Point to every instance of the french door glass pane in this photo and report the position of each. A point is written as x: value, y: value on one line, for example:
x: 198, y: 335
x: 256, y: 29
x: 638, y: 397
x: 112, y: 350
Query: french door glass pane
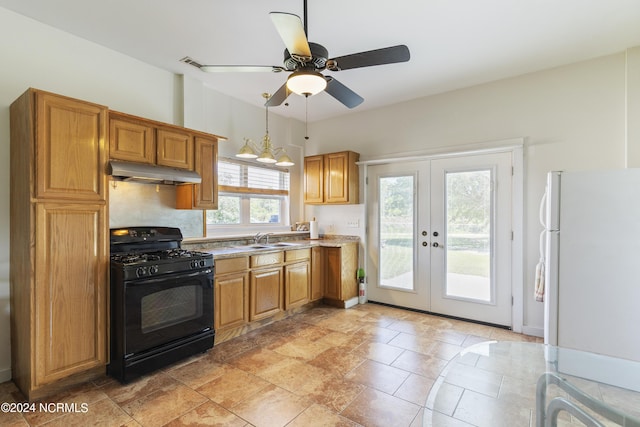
x: 396, y: 231
x: 468, y: 247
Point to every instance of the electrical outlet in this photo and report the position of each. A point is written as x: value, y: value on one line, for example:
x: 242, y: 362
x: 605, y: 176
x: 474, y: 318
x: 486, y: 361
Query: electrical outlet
x: 353, y: 223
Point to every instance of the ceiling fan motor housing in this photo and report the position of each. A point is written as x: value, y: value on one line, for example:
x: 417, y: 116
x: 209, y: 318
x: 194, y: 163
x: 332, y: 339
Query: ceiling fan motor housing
x: 319, y: 58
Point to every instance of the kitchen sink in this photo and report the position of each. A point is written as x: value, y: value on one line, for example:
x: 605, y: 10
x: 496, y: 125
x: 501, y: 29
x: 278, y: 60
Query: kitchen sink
x: 267, y: 246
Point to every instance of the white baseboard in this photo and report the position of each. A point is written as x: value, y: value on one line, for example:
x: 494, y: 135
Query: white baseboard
x: 5, y: 375
x: 351, y: 302
x: 533, y: 331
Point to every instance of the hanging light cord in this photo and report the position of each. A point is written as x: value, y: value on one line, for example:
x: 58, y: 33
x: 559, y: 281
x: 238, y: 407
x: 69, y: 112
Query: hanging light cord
x: 266, y: 109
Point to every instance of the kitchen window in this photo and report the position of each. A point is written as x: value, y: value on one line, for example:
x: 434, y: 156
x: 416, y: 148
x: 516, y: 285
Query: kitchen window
x: 251, y: 197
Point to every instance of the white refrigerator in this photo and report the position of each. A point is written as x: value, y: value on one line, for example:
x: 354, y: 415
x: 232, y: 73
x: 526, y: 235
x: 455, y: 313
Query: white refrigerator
x: 592, y: 262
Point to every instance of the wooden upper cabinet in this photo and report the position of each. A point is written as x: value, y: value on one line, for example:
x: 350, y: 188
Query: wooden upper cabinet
x: 331, y: 178
x: 70, y: 145
x: 174, y: 148
x: 205, y: 194
x: 131, y: 140
x: 314, y: 179
x: 341, y: 177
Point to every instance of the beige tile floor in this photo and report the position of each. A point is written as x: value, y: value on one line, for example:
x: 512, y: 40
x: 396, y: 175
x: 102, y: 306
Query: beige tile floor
x: 370, y: 365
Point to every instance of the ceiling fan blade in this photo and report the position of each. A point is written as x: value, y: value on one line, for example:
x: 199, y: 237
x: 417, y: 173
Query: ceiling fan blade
x: 240, y: 69
x: 278, y: 97
x: 387, y: 55
x: 291, y: 31
x: 232, y: 68
x: 342, y: 93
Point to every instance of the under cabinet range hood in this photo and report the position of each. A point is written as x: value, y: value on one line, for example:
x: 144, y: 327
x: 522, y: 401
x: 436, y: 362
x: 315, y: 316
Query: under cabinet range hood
x: 152, y: 174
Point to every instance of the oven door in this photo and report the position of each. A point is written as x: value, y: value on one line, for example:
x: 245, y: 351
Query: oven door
x: 162, y: 309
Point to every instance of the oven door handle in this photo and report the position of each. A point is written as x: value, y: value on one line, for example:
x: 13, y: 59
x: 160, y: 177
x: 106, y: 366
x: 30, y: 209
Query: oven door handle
x: 159, y: 279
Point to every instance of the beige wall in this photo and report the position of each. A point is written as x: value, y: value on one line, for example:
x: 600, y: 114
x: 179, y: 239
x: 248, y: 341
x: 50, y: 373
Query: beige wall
x: 572, y: 118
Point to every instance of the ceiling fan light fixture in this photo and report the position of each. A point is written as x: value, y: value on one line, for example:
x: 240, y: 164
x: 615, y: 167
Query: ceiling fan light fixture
x: 306, y: 82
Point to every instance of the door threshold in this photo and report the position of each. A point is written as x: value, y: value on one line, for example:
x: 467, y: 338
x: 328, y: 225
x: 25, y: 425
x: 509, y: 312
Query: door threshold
x: 416, y: 310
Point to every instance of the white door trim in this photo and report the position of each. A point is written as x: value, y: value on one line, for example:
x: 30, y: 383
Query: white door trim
x: 516, y: 147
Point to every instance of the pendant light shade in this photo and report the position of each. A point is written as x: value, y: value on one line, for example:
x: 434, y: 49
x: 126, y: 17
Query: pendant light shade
x: 284, y: 160
x: 246, y: 152
x: 306, y: 82
x: 267, y: 150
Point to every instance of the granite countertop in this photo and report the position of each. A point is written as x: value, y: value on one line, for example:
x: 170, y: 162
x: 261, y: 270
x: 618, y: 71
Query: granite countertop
x: 221, y: 250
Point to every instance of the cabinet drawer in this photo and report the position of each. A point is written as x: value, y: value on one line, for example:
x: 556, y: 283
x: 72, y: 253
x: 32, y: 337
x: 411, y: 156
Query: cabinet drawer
x: 231, y: 265
x: 297, y: 254
x: 266, y: 259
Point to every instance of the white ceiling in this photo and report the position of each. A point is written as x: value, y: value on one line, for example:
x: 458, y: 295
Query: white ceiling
x: 453, y: 43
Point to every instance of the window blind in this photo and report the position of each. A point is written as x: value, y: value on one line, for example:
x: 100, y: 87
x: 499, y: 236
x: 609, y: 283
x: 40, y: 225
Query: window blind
x: 240, y: 177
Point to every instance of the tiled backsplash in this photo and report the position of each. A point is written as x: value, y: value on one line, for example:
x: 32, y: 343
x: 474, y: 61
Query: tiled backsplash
x: 136, y: 204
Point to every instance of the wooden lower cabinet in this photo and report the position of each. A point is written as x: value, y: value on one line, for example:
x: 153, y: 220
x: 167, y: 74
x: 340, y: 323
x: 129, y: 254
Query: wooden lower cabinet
x: 296, y: 279
x: 266, y: 292
x: 231, y: 286
x: 70, y: 291
x: 341, y: 264
x: 318, y: 267
x: 257, y: 287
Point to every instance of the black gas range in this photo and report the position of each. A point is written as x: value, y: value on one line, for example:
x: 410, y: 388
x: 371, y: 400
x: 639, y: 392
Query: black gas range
x: 161, y: 300
x: 145, y: 264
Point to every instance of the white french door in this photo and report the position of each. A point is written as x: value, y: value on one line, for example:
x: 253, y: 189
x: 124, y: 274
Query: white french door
x: 440, y: 236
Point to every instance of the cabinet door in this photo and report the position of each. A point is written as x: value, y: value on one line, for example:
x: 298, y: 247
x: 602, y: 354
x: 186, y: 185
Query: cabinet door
x: 296, y: 284
x: 205, y: 194
x: 349, y: 266
x: 231, y: 300
x: 70, y: 145
x: 333, y: 277
x: 70, y: 303
x: 266, y: 292
x: 132, y: 141
x: 174, y: 149
x: 317, y: 273
x: 314, y: 179
x: 336, y: 175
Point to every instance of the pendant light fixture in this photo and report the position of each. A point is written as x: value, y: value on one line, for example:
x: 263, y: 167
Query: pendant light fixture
x: 267, y: 152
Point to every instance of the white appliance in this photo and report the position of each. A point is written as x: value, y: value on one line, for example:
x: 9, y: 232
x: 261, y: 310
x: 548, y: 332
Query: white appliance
x: 592, y: 262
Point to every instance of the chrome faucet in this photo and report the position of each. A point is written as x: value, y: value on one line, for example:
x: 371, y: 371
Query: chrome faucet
x: 260, y: 236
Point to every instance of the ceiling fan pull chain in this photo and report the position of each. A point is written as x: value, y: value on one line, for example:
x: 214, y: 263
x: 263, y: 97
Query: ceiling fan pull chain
x: 306, y: 116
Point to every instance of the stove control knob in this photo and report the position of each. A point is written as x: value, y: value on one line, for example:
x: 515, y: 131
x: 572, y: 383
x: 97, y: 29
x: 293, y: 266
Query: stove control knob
x: 202, y: 263
x: 153, y: 269
x: 141, y: 271
x: 194, y: 263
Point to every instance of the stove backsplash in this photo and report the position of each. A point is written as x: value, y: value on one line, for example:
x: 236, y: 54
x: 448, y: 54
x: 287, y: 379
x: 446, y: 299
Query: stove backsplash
x: 136, y: 204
